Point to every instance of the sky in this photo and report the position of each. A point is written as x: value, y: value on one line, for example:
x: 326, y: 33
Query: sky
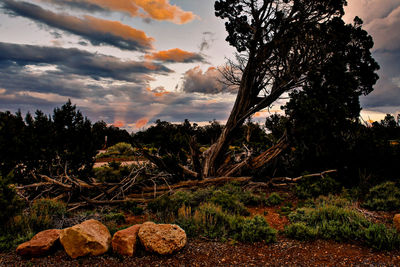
x: 131, y: 62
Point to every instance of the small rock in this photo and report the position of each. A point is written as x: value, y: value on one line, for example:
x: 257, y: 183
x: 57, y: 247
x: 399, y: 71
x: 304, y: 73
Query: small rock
x: 396, y: 222
x: 163, y: 239
x: 124, y: 241
x: 90, y: 237
x: 40, y: 244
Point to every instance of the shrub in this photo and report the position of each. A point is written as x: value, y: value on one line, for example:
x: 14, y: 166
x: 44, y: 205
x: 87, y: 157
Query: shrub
x: 10, y: 203
x: 316, y: 186
x: 122, y: 149
x: 385, y: 197
x: 230, y: 197
x: 229, y: 202
x: 330, y: 219
x: 273, y: 199
x: 132, y: 207
x: 301, y: 231
x: 45, y: 214
x: 212, y: 221
x: 116, y: 217
x: 113, y: 173
x: 42, y: 215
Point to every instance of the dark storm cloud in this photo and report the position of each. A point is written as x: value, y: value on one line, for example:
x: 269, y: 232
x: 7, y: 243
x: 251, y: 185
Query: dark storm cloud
x: 382, y: 22
x: 208, y: 82
x: 97, y: 31
x: 79, y: 5
x: 75, y: 61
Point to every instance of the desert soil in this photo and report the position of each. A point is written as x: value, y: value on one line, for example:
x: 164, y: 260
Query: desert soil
x: 285, y: 252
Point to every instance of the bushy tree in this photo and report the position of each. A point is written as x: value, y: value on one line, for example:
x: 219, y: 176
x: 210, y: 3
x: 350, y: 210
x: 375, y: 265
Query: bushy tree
x: 285, y: 45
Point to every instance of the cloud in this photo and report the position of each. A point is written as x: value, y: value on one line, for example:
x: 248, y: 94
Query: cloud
x: 175, y: 55
x: 207, y: 41
x: 97, y: 31
x: 160, y: 10
x: 79, y: 62
x: 369, y: 10
x: 383, y: 30
x: 382, y: 21
x: 141, y: 123
x: 208, y: 82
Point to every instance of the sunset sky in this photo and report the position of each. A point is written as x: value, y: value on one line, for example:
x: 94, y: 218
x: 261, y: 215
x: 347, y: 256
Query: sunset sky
x: 131, y: 62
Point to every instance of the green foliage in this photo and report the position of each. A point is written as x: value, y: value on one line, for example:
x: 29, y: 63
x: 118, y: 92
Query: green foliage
x: 214, y: 213
x: 274, y: 199
x: 10, y: 203
x: 228, y: 202
x: 43, y: 214
x: 113, y: 173
x: 212, y: 221
x: 230, y: 197
x: 131, y: 207
x: 117, y: 217
x: 301, y: 231
x: 329, y: 219
x: 384, y: 196
x: 379, y: 237
x: 122, y: 149
x: 316, y: 186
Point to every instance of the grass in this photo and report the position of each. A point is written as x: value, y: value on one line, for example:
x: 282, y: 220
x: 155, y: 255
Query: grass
x: 43, y: 214
x: 332, y: 218
x: 385, y: 196
x: 215, y: 213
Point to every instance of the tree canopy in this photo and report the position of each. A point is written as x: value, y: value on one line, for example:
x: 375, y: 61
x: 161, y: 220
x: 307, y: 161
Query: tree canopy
x: 286, y: 45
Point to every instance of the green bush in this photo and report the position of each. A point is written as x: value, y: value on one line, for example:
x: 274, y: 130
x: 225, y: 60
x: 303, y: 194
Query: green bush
x: 301, y: 231
x: 231, y: 197
x: 113, y: 173
x: 10, y: 203
x: 385, y: 197
x: 43, y: 214
x: 212, y: 221
x: 333, y: 219
x: 132, y: 207
x: 315, y: 186
x: 122, y: 149
x: 229, y: 202
x: 273, y: 199
x: 116, y: 217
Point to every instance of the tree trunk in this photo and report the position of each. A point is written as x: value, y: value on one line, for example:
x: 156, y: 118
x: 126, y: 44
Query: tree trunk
x: 214, y: 156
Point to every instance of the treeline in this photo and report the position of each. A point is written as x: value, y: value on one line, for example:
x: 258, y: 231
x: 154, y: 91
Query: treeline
x: 318, y: 139
x: 51, y: 145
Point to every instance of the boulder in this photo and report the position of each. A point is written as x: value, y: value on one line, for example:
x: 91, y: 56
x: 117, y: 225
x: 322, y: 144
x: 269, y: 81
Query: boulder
x: 41, y: 244
x: 396, y: 222
x: 163, y: 239
x: 88, y: 238
x: 124, y: 241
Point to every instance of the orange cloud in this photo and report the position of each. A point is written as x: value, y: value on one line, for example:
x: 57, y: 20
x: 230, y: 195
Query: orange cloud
x: 158, y: 92
x: 141, y: 123
x: 97, y: 31
x: 154, y: 9
x: 118, y: 124
x: 121, y: 30
x: 163, y: 10
x: 174, y: 55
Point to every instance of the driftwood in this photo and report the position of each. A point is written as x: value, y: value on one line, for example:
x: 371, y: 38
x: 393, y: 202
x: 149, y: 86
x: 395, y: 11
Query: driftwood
x: 141, y: 186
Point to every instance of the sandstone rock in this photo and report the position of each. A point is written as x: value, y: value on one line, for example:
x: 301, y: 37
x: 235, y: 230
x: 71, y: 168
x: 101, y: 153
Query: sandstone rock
x: 124, y: 241
x: 163, y: 239
x: 40, y: 244
x: 396, y: 222
x: 90, y: 237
